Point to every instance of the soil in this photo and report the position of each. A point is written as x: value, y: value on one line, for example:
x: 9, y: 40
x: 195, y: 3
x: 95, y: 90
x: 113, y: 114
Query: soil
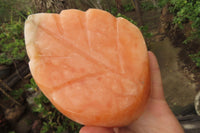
x: 180, y: 82
x: 186, y: 50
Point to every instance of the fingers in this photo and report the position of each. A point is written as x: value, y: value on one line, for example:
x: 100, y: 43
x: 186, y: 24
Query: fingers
x: 156, y: 82
x: 88, y: 129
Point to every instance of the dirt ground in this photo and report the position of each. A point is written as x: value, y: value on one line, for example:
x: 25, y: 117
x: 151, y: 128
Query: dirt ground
x: 179, y: 83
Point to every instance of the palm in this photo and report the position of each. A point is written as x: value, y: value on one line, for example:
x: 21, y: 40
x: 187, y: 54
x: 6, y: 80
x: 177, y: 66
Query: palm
x: 156, y: 118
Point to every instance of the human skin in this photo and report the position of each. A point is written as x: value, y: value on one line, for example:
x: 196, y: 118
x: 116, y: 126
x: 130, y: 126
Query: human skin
x: 157, y: 117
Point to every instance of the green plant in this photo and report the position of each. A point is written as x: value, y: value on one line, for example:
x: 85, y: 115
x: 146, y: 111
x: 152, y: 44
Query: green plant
x: 145, y: 31
x: 12, y: 45
x: 196, y: 58
x: 127, y: 18
x: 45, y: 127
x: 13, y: 8
x: 16, y: 94
x: 113, y: 10
x: 5, y: 9
x: 60, y: 129
x: 162, y: 3
x: 186, y: 11
x: 128, y: 7
x: 32, y: 85
x: 52, y: 119
x: 147, y: 5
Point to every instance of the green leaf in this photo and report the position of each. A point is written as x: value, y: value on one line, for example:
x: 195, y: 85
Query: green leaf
x: 45, y: 128
x: 60, y: 129
x: 17, y: 93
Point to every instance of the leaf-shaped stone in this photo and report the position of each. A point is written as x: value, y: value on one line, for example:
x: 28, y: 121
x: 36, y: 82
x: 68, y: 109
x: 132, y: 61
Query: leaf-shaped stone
x: 92, y: 66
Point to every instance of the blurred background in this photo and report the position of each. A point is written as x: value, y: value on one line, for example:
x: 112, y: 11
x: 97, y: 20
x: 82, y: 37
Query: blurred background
x: 171, y: 29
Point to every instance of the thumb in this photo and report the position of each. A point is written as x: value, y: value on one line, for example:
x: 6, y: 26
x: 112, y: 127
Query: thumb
x: 156, y: 81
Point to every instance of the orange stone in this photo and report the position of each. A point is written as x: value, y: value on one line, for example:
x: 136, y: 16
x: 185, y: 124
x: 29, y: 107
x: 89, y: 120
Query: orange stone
x: 92, y: 66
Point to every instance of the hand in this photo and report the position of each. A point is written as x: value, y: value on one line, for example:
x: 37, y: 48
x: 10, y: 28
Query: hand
x: 157, y: 117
